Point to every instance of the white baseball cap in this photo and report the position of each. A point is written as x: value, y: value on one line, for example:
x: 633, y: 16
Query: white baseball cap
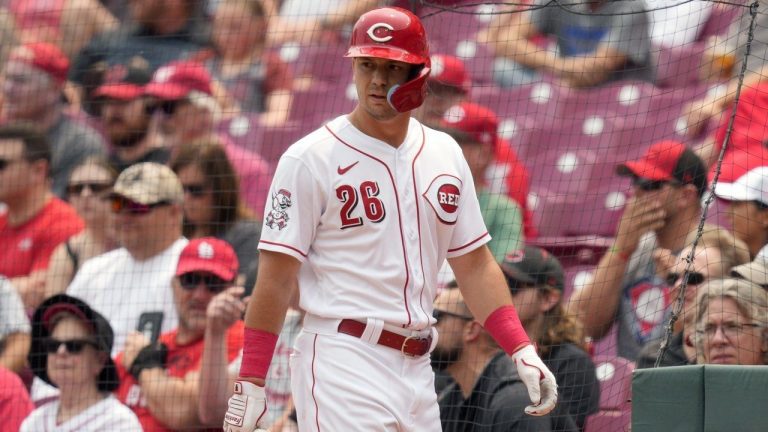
x: 750, y: 186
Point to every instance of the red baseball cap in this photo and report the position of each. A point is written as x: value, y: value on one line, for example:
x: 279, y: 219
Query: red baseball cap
x: 738, y: 162
x: 125, y: 82
x: 176, y: 80
x: 450, y: 71
x: 477, y: 121
x: 668, y: 160
x: 210, y: 255
x: 45, y: 57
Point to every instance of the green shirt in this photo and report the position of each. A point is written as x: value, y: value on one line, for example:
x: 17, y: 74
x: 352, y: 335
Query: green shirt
x: 504, y: 221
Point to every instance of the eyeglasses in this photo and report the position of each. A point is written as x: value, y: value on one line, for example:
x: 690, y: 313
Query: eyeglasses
x: 439, y: 314
x: 95, y: 188
x: 730, y: 329
x: 5, y: 163
x: 214, y: 284
x: 73, y: 346
x: 647, y: 185
x: 122, y: 205
x: 195, y: 190
x: 692, y: 279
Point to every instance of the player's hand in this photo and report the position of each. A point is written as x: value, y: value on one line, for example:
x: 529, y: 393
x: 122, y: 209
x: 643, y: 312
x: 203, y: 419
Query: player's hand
x: 245, y: 408
x: 542, y: 388
x: 642, y: 214
x: 225, y: 309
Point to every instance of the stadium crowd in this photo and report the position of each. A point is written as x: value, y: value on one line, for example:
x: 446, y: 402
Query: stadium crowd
x: 138, y: 140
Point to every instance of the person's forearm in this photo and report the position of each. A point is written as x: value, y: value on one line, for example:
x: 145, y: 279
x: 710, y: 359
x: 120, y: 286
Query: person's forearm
x: 172, y: 401
x: 481, y: 283
x: 527, y: 54
x: 597, y: 302
x: 214, y: 379
x: 14, y: 355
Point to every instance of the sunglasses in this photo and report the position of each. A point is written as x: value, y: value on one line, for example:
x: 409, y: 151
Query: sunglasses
x: 439, y: 314
x: 166, y: 107
x: 5, y: 163
x: 692, y: 278
x: 646, y: 185
x: 214, y: 284
x: 122, y: 205
x: 516, y: 286
x: 195, y: 190
x: 73, y: 346
x: 95, y: 188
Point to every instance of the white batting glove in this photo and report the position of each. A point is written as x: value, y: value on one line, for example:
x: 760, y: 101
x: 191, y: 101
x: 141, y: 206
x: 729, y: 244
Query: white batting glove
x: 542, y: 388
x: 245, y: 408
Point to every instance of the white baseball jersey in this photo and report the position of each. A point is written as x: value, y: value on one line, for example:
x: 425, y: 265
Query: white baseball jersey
x: 371, y: 223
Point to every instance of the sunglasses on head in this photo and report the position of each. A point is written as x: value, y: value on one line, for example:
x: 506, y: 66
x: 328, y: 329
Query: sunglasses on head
x: 73, y: 346
x: 94, y: 187
x: 214, y: 284
x: 692, y: 279
x: 195, y: 190
x: 122, y: 205
x: 647, y: 185
x: 439, y: 314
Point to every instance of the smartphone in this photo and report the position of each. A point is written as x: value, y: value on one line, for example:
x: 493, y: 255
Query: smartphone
x: 150, y: 324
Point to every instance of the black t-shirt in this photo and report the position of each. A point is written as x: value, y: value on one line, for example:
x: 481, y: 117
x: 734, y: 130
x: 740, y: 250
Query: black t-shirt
x: 577, y: 384
x: 159, y: 155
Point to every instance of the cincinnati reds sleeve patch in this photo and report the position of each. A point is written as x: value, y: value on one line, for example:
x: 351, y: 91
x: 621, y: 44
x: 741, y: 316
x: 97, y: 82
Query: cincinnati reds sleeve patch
x: 277, y: 218
x: 443, y: 195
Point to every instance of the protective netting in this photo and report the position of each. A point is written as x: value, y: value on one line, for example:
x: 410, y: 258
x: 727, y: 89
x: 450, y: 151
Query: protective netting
x: 617, y: 149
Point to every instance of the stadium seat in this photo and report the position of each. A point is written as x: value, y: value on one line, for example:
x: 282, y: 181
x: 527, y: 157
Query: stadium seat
x: 563, y: 172
x: 720, y: 19
x: 622, y: 101
x: 244, y: 130
x: 322, y: 63
x: 678, y: 66
x: 322, y: 100
x: 550, y: 211
x: 277, y: 139
x: 596, y: 133
x: 601, y: 203
x: 615, y: 376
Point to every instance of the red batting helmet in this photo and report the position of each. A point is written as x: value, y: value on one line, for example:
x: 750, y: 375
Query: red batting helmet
x: 395, y: 34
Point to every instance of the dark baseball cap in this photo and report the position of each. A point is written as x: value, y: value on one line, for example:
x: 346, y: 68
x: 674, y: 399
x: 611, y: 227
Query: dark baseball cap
x: 668, y: 160
x: 125, y: 81
x: 43, y: 321
x: 535, y: 266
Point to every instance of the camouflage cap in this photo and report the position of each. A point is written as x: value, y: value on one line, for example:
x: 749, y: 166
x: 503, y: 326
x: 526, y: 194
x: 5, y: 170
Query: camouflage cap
x: 149, y: 183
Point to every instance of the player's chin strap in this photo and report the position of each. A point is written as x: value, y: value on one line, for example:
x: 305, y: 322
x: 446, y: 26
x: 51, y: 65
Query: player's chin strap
x: 408, y: 96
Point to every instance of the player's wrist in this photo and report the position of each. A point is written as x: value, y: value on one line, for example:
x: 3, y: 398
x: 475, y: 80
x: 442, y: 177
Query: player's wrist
x: 503, y: 324
x: 258, y: 348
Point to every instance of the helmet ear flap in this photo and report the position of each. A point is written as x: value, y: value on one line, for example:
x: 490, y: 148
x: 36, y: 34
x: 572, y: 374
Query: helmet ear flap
x: 411, y: 94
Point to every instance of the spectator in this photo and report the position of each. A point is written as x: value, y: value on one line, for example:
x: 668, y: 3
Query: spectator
x: 87, y: 189
x: 313, y: 22
x: 536, y: 281
x: 475, y: 128
x: 70, y: 350
x: 125, y: 118
x: 597, y: 42
x: 449, y: 85
x: 32, y: 89
x: 70, y: 24
x: 717, y: 251
x: 35, y: 222
x: 159, y: 32
x: 675, y: 23
x: 486, y: 392
x: 254, y: 79
x: 755, y: 271
x: 122, y: 284
x: 14, y: 329
x: 187, y: 112
x: 732, y: 323
x: 746, y: 192
x: 160, y: 382
x: 212, y: 205
x: 15, y: 404
x: 668, y: 182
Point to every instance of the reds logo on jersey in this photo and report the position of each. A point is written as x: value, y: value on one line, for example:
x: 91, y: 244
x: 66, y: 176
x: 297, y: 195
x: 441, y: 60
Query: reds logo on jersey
x: 444, y: 195
x: 278, y: 216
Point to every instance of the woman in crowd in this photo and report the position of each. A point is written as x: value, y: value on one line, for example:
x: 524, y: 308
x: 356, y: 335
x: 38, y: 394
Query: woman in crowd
x: 257, y: 79
x: 732, y: 323
x: 70, y: 350
x: 212, y: 204
x: 88, y: 185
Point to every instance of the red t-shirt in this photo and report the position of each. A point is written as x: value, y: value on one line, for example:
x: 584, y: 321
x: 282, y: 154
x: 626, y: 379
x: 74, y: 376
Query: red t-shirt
x: 517, y: 183
x: 750, y: 126
x: 182, y: 359
x: 28, y: 247
x: 15, y: 404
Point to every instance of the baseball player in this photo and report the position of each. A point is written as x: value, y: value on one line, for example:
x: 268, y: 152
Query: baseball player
x: 370, y: 205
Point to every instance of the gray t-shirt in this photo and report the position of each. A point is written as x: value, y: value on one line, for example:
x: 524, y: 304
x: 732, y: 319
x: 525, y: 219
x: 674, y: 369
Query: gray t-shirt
x: 13, y: 318
x: 738, y: 35
x: 72, y: 142
x: 619, y: 24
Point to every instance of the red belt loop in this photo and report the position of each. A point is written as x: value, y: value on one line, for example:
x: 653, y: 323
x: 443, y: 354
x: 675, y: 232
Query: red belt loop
x: 408, y: 345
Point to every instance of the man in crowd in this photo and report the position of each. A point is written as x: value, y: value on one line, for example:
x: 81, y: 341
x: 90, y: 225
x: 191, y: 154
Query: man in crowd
x: 187, y: 112
x: 125, y: 283
x: 35, y: 222
x: 160, y: 382
x: 125, y: 117
x: 486, y: 392
x: 536, y: 281
x: 32, y: 91
x: 668, y: 182
x: 14, y: 328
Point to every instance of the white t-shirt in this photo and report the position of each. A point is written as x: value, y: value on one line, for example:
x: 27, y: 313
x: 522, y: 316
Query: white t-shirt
x: 121, y: 288
x: 676, y: 23
x: 107, y: 415
x: 372, y: 223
